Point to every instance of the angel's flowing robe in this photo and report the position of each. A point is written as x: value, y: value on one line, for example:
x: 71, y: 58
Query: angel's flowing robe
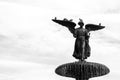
x: 81, y: 48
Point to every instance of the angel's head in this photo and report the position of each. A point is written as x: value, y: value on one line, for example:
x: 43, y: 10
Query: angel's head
x: 81, y: 23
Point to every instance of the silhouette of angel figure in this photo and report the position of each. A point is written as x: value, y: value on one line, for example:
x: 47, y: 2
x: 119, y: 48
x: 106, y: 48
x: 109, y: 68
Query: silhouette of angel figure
x: 82, y: 35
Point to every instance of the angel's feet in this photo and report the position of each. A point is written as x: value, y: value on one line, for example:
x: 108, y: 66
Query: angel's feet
x: 81, y: 60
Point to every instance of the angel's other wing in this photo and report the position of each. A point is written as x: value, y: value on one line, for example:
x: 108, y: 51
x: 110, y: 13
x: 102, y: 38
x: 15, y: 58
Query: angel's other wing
x: 93, y: 27
x: 69, y: 24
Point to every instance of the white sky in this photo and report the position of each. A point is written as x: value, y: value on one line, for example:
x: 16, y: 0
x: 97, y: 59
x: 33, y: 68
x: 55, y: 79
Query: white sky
x: 32, y: 46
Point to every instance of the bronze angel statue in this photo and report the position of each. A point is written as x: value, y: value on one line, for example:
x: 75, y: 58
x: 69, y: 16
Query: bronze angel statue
x: 81, y: 49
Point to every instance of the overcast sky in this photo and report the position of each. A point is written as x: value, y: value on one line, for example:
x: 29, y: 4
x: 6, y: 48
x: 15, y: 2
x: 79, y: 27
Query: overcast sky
x: 32, y: 46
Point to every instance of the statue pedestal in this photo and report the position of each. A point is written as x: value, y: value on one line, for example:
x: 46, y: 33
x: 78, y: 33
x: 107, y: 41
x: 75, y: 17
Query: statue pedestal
x: 82, y: 70
x: 80, y: 79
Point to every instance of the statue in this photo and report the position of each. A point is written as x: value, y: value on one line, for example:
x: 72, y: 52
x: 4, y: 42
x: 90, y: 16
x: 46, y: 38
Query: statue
x: 81, y: 70
x: 81, y: 48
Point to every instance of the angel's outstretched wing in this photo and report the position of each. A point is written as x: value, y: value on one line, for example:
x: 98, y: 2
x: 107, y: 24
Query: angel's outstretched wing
x: 67, y: 23
x: 93, y: 27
